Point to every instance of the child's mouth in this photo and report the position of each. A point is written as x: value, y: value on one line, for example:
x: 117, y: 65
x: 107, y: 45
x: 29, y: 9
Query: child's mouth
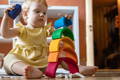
x: 40, y: 19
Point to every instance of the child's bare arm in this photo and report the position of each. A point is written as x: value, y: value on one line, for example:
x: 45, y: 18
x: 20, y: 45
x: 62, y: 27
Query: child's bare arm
x: 6, y: 31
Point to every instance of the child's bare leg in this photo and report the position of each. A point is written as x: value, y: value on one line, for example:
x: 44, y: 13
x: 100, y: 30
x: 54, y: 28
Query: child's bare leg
x: 32, y: 73
x: 87, y: 70
x: 27, y: 71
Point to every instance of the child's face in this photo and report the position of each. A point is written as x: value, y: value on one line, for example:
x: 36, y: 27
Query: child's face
x: 37, y: 15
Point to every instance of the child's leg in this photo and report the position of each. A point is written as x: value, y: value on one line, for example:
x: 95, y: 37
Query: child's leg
x: 26, y: 70
x: 87, y: 70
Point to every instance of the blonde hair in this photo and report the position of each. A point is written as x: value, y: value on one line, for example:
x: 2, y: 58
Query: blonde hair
x: 27, y: 3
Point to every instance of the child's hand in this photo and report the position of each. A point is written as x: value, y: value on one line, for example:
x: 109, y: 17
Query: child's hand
x: 68, y: 16
x: 13, y: 11
x: 117, y: 22
x: 50, y: 29
x: 8, y: 9
x: 6, y: 13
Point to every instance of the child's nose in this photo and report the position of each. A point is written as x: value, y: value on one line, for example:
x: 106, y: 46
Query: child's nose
x: 41, y: 15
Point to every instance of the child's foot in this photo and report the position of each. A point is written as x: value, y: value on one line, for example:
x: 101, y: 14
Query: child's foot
x: 32, y: 73
x: 87, y: 70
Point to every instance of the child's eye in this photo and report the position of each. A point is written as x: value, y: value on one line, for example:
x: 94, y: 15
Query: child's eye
x: 44, y: 13
x: 37, y: 11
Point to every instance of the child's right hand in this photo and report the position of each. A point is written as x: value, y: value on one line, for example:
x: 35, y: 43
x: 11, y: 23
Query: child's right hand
x: 68, y: 16
x: 7, y: 10
x: 117, y: 22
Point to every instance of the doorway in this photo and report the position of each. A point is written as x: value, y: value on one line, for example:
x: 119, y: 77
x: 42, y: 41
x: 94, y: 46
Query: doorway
x: 106, y: 35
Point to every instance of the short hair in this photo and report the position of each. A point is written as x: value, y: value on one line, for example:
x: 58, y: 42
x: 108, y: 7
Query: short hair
x: 27, y: 3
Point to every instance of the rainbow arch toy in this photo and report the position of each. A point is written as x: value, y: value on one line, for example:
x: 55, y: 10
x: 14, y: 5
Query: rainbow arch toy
x: 55, y: 58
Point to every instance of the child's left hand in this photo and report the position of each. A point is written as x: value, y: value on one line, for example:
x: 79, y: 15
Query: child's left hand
x: 68, y: 16
x: 50, y: 29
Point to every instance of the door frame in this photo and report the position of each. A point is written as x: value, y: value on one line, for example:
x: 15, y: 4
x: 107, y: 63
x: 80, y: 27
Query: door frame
x: 89, y: 33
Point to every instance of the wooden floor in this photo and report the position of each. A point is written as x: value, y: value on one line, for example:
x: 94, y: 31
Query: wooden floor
x: 100, y: 75
x: 87, y: 78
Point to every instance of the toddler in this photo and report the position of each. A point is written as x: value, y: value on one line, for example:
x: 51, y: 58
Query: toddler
x: 30, y: 52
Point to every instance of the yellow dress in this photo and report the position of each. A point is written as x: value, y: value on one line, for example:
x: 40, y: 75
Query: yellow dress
x: 30, y: 47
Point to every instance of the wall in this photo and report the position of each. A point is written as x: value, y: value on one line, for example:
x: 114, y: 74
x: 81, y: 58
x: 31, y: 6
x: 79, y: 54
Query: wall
x: 5, y: 46
x: 3, y: 1
x: 81, y: 5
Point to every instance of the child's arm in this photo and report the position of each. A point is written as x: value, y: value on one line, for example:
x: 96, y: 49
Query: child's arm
x: 6, y: 31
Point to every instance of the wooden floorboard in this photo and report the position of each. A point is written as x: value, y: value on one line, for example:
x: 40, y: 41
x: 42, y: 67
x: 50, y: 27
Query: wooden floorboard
x: 108, y: 73
x: 100, y: 75
x: 87, y: 78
